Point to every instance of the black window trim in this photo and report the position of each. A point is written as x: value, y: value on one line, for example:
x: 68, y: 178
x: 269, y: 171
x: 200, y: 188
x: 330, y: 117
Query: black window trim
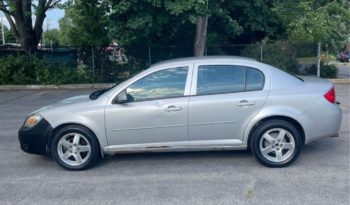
x: 245, y: 79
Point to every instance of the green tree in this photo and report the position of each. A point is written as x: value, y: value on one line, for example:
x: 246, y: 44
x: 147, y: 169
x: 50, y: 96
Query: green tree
x: 188, y: 22
x: 51, y: 37
x: 313, y: 21
x: 19, y: 14
x: 65, y: 24
x: 9, y: 37
x: 84, y: 24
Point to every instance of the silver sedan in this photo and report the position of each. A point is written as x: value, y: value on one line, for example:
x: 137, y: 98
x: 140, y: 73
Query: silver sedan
x: 207, y: 103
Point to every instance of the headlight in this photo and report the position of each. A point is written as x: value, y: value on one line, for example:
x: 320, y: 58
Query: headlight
x: 32, y: 120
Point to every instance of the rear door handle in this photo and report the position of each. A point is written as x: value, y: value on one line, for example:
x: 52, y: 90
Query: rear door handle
x: 245, y: 103
x: 172, y: 108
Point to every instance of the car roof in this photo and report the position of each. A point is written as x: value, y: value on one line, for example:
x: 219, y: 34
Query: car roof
x: 200, y: 59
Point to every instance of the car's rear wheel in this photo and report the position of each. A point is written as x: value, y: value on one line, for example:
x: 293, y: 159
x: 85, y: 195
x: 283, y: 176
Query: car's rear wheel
x: 276, y: 143
x: 75, y: 148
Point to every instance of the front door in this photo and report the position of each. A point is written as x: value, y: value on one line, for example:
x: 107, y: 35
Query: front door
x: 155, y: 115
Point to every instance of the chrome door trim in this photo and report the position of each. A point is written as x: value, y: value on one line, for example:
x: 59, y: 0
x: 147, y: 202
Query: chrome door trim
x: 215, y: 143
x: 211, y: 123
x: 156, y: 127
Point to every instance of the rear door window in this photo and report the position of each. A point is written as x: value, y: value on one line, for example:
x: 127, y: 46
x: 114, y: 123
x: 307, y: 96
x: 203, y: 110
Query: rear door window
x: 219, y: 79
x: 254, y: 79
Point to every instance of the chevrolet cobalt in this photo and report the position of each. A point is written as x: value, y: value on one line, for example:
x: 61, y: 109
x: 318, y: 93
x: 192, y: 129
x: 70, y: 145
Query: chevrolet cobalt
x: 206, y: 103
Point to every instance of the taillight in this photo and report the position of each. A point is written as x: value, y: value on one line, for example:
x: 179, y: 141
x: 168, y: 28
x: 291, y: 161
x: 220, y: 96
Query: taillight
x: 330, y: 95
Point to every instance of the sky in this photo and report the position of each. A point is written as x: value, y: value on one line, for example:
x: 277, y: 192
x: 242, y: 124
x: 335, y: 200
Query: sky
x: 52, y: 18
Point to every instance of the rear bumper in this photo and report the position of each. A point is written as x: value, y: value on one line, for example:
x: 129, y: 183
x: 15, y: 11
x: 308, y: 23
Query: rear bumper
x: 34, y: 140
x: 322, y: 120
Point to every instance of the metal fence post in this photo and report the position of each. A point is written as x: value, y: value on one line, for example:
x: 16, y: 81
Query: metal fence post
x: 261, y: 52
x: 149, y: 55
x: 2, y: 29
x: 93, y: 63
x: 319, y: 59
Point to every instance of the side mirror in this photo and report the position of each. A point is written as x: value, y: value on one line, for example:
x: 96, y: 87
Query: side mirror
x: 121, y: 98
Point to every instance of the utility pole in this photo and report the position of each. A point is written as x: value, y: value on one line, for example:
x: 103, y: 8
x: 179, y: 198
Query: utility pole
x: 261, y: 51
x: 2, y: 29
x: 319, y: 59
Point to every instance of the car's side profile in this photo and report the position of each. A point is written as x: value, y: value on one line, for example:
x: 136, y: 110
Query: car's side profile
x: 207, y: 103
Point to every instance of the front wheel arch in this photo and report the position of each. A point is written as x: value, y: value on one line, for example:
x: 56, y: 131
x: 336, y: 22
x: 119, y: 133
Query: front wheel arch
x: 277, y: 117
x: 56, y: 129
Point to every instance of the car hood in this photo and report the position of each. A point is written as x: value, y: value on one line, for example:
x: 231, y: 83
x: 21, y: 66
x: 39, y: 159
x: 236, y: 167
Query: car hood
x: 65, y: 102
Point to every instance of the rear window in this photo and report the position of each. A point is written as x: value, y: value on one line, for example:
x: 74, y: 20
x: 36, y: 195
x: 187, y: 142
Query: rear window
x: 217, y: 79
x: 254, y: 79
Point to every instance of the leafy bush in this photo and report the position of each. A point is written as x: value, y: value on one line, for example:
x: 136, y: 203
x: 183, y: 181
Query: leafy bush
x: 26, y: 69
x: 327, y: 71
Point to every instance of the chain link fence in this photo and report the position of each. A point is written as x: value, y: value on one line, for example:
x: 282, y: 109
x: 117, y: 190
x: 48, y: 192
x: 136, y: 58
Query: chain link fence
x: 114, y: 63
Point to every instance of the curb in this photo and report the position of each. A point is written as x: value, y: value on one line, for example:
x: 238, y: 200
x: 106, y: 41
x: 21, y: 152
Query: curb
x: 102, y: 85
x: 55, y: 87
x: 340, y: 80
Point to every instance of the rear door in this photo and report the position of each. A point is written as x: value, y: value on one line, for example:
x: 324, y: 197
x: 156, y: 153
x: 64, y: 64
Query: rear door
x: 224, y: 98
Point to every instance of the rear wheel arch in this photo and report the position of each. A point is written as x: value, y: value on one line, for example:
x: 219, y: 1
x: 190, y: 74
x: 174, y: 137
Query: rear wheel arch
x: 277, y: 117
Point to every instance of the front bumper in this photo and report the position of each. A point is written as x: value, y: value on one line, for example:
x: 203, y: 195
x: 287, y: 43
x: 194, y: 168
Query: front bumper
x: 34, y: 140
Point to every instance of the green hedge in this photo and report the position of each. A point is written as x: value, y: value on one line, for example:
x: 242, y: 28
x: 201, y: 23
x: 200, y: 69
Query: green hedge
x: 327, y: 71
x: 24, y: 69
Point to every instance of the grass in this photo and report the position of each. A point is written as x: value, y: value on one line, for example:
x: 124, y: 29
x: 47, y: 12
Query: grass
x: 341, y: 63
x: 307, y: 60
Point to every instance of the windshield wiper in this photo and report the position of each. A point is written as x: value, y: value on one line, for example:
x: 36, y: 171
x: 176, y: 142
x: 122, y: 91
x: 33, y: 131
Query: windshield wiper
x: 98, y: 93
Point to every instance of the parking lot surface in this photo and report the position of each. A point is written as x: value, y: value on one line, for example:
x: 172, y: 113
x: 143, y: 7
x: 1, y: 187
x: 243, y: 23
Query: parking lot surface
x: 321, y: 175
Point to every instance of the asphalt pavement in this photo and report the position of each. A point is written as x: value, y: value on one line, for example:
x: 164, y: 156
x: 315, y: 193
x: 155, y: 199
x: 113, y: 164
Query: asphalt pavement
x: 321, y: 175
x: 343, y: 70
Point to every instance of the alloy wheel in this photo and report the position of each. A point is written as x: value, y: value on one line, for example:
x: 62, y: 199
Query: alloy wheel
x: 277, y: 145
x: 74, y: 149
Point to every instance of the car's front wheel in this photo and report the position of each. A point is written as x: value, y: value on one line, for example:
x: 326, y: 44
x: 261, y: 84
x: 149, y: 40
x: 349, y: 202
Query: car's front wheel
x: 75, y: 148
x: 276, y: 143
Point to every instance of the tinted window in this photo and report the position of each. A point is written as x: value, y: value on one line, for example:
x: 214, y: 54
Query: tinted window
x: 166, y: 83
x: 254, y: 79
x: 216, y: 79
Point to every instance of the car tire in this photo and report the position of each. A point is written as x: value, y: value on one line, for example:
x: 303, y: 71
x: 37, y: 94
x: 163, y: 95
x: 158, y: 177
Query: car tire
x: 75, y: 148
x: 276, y: 143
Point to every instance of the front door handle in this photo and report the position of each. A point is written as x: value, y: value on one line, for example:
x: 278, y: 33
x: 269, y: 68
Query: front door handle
x: 172, y: 108
x: 245, y: 103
